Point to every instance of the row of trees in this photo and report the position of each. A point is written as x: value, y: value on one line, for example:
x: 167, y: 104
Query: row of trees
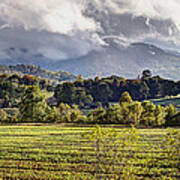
x: 138, y: 113
x: 34, y: 108
x: 87, y: 93
x: 111, y: 88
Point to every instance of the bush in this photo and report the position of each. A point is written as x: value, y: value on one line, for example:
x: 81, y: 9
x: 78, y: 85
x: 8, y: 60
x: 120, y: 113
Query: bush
x: 70, y: 114
x: 3, y: 116
x: 97, y: 115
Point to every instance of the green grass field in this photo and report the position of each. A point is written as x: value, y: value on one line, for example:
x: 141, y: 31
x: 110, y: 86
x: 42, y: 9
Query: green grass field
x: 55, y: 152
x: 167, y: 101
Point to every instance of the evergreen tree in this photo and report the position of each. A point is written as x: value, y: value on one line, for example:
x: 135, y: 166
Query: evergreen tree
x: 146, y: 74
x: 66, y: 93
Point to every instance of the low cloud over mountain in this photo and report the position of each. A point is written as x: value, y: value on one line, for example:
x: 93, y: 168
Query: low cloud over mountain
x: 57, y: 31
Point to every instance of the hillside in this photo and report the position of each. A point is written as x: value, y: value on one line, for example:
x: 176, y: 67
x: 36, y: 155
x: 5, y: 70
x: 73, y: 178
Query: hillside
x: 34, y: 70
x: 175, y: 100
x: 112, y: 58
x: 125, y: 61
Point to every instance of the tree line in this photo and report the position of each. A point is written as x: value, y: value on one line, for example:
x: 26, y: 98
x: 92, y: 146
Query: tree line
x: 33, y: 107
x: 87, y: 93
x: 91, y: 93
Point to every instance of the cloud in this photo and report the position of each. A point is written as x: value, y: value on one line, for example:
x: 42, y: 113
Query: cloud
x: 158, y: 9
x: 52, y: 45
x: 53, y: 15
x: 56, y: 28
x: 4, y: 26
x: 65, y: 29
x: 67, y: 17
x: 142, y: 18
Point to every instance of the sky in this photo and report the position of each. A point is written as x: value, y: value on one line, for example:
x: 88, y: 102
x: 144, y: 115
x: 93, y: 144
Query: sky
x: 65, y: 29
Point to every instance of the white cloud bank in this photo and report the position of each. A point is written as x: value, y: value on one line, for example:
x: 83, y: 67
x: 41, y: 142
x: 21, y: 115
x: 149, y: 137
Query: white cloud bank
x: 161, y: 17
x: 70, y: 28
x: 59, y: 16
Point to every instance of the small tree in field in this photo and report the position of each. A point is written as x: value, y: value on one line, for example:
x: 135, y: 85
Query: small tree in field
x: 33, y: 106
x: 115, y: 152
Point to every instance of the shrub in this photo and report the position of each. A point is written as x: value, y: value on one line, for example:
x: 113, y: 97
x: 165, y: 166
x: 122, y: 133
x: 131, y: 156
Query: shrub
x: 3, y: 116
x: 72, y: 114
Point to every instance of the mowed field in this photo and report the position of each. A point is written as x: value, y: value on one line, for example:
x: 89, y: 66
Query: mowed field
x: 55, y: 152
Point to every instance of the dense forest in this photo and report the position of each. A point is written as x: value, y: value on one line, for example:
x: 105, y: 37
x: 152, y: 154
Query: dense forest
x: 105, y: 90
x: 13, y: 86
x: 31, y: 99
x: 86, y: 93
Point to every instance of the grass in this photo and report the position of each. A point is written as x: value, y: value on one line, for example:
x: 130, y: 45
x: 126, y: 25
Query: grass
x: 55, y: 152
x: 167, y: 101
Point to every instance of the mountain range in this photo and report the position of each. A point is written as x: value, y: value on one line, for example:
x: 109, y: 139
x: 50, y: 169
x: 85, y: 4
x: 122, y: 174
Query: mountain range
x: 113, y: 58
